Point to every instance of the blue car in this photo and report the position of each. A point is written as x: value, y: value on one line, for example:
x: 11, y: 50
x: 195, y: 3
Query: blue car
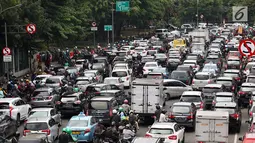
x: 82, y: 127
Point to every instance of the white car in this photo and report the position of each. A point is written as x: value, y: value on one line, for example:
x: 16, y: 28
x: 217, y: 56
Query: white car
x: 124, y: 75
x: 192, y: 63
x: 201, y: 79
x: 121, y: 66
x: 140, y: 50
x: 16, y: 108
x: 149, y: 67
x: 114, y: 80
x: 172, y: 132
x: 94, y: 74
x: 41, y: 79
x: 79, y: 62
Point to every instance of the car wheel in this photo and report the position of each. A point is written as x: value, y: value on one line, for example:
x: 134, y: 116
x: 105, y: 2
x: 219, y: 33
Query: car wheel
x: 183, y: 140
x: 18, y: 120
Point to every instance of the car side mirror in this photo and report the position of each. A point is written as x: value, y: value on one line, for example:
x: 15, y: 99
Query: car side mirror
x: 241, y: 139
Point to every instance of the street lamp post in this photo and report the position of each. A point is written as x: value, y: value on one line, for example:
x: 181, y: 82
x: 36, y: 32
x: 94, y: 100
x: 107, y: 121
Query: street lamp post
x: 197, y: 11
x: 5, y: 34
x: 112, y: 23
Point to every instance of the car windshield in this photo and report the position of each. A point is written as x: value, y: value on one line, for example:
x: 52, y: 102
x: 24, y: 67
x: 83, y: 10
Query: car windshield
x: 181, y: 109
x: 192, y: 57
x: 201, y: 77
x: 52, y: 80
x: 230, y: 74
x: 229, y: 110
x: 147, y: 59
x: 179, y: 75
x: 160, y: 56
x: 82, y: 82
x: 119, y: 67
x: 251, y: 79
x: 183, y: 68
x: 159, y: 70
x: 40, y: 92
x: 72, y: 70
x: 190, y: 98
x: 38, y: 114
x: 77, y: 123
x: 36, y: 126
x: 161, y: 131
x: 99, y: 105
x: 40, y: 78
x: 211, y: 89
x: 224, y: 82
x: 119, y: 74
x: 223, y: 99
x: 111, y: 81
x: 150, y: 65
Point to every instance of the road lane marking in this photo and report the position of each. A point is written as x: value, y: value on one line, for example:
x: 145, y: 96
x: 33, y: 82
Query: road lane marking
x: 235, y: 140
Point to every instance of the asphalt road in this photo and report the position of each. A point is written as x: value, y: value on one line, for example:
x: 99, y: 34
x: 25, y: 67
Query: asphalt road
x: 189, y: 135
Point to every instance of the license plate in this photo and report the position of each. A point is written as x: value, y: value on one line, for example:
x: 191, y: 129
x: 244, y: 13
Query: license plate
x: 68, y: 105
x: 150, y: 69
x: 39, y: 99
x: 76, y: 133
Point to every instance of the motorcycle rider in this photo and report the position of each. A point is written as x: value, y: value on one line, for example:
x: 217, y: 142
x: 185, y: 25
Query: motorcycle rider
x: 133, y: 119
x: 9, y: 87
x: 122, y: 114
x: 140, y: 68
x: 2, y: 92
x: 139, y: 57
x: 111, y: 133
x: 126, y: 107
x: 100, y: 128
x: 163, y: 117
x: 128, y: 134
x: 157, y: 112
x: 115, y: 118
x: 66, y: 137
x: 76, y: 88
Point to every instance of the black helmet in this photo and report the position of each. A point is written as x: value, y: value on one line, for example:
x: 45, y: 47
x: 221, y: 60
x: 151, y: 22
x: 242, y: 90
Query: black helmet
x: 157, y: 107
x: 113, y: 123
x: 100, y: 121
x: 163, y: 111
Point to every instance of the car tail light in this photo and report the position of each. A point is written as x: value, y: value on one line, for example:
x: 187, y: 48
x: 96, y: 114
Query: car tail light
x: 97, y: 92
x: 86, y: 131
x: 49, y: 98
x: 250, y: 113
x: 218, y: 63
x: 33, y: 98
x: 193, y: 81
x: 187, y: 81
x: 127, y: 79
x: 241, y: 92
x: 251, y: 101
x: 194, y: 66
x: 11, y: 108
x: 209, y: 81
x: 46, y: 131
x: 86, y: 92
x: 25, y: 121
x: 190, y: 116
x: 235, y: 116
x: 77, y: 102
x: 25, y: 132
x: 201, y: 105
x: 97, y: 78
x: 200, y: 142
x: 58, y: 102
x: 171, y: 116
x: 226, y: 66
x: 87, y: 113
x: 60, y: 84
x: 173, y: 137
x: 233, y: 88
x: 213, y: 102
x: 110, y: 112
x: 147, y: 136
x: 237, y: 78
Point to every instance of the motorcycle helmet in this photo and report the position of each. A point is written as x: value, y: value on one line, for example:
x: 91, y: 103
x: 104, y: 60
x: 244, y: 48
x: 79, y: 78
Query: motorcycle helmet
x: 113, y: 123
x: 157, y: 107
x: 126, y: 101
x: 128, y: 126
x: 114, y: 111
x: 121, y: 109
x: 163, y: 111
x: 131, y: 111
x: 100, y: 121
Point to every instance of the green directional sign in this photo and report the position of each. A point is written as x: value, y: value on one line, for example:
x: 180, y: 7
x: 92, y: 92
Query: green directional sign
x: 107, y: 27
x: 122, y: 6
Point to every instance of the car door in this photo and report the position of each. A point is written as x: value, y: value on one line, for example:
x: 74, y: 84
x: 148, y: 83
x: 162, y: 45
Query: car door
x: 53, y: 126
x: 169, y: 88
x: 179, y: 131
x: 22, y: 109
x: 181, y: 87
x: 55, y: 116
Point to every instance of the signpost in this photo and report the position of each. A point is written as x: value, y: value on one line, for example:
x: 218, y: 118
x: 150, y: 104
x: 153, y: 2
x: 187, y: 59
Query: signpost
x: 240, y: 13
x: 108, y: 28
x: 31, y: 28
x: 247, y: 48
x: 122, y: 6
x: 94, y: 29
x: 7, y: 54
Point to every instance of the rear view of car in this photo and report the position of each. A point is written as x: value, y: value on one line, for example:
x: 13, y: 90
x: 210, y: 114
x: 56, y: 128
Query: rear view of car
x: 195, y: 97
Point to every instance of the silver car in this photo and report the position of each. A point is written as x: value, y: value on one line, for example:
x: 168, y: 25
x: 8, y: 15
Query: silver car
x: 55, y: 81
x: 44, y: 97
x: 45, y: 112
x: 201, y: 79
x: 196, y: 97
x: 174, y: 88
x: 42, y: 125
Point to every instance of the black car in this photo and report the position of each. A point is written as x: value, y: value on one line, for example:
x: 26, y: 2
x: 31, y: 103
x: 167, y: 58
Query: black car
x: 184, y: 114
x: 235, y: 115
x: 71, y: 103
x: 229, y: 82
x: 245, y: 93
x: 101, y: 108
x: 183, y: 76
x: 173, y: 63
x: 103, y: 61
x: 8, y: 126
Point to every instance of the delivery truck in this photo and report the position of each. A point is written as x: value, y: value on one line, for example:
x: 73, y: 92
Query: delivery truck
x: 212, y: 126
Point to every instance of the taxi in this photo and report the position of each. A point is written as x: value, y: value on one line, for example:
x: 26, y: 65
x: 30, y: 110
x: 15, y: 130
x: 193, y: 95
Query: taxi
x: 82, y: 127
x: 179, y: 43
x: 248, y: 138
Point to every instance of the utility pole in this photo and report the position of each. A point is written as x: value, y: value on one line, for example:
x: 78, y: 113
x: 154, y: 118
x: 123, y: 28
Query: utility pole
x: 6, y: 45
x: 197, y: 11
x: 113, y: 23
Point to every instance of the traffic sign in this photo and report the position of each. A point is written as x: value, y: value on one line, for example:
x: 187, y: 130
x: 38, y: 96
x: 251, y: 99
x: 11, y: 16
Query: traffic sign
x: 247, y: 47
x: 31, y: 28
x: 6, y: 51
x: 93, y: 28
x: 107, y: 27
x: 240, y: 13
x: 94, y: 24
x: 122, y: 6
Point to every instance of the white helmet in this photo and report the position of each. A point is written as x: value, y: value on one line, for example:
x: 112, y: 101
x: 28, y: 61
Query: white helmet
x: 114, y: 111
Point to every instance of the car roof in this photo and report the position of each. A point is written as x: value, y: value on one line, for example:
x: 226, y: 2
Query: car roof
x: 42, y: 109
x: 203, y: 73
x: 163, y: 125
x: 41, y: 119
x: 192, y: 93
x: 112, y: 78
x: 182, y: 103
x: 44, y: 75
x: 251, y: 76
x: 151, y: 63
x: 72, y: 94
x: 224, y: 93
x: 225, y: 104
x: 248, y: 84
x: 80, y: 116
x: 169, y: 80
x: 190, y: 61
x: 57, y: 76
x: 116, y: 70
x: 102, y: 98
x: 213, y: 85
x: 99, y: 85
x: 121, y: 64
x: 44, y: 89
x: 232, y: 70
x: 8, y: 100
x: 109, y: 91
x: 91, y: 71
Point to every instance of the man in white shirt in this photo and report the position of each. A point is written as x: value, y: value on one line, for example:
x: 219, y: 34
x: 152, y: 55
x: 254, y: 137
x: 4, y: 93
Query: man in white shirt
x: 163, y: 117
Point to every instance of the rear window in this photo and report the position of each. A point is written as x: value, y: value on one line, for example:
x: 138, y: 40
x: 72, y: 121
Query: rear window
x: 78, y: 123
x: 161, y: 131
x: 190, y: 98
x: 202, y: 77
x: 111, y: 81
x: 82, y: 82
x: 224, y: 81
x: 36, y: 126
x: 69, y: 98
x: 154, y: 76
x: 72, y: 70
x: 223, y: 99
x: 251, y: 79
x: 182, y: 68
x: 99, y: 105
x: 211, y: 89
x: 179, y: 75
x: 40, y: 92
x: 229, y: 74
x: 229, y: 110
x: 150, y: 65
x: 52, y: 80
x: 4, y: 105
x: 181, y: 109
x: 38, y: 114
x: 119, y: 74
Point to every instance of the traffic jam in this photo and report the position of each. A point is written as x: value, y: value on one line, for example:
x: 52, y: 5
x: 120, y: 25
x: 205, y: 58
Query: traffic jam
x: 180, y: 86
